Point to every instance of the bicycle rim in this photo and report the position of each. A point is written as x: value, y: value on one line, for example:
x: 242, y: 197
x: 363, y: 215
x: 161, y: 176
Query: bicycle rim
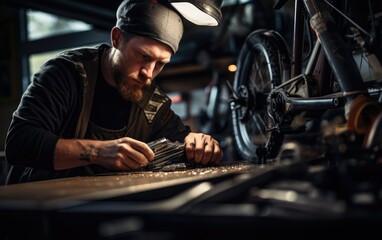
x: 259, y: 71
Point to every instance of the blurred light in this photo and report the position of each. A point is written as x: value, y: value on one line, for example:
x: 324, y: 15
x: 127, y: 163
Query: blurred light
x: 232, y: 68
x: 176, y: 98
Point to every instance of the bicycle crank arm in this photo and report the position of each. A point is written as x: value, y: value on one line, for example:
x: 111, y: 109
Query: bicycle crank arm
x: 281, y: 105
x: 299, y: 104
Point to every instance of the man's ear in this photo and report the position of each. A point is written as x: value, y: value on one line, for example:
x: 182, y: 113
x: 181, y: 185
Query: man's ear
x: 116, y: 36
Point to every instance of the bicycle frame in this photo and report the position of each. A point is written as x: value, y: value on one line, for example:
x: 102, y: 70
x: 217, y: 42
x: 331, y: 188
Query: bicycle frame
x: 337, y: 55
x: 330, y: 56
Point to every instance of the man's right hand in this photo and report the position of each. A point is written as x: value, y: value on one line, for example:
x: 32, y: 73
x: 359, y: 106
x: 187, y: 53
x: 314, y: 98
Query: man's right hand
x: 118, y: 155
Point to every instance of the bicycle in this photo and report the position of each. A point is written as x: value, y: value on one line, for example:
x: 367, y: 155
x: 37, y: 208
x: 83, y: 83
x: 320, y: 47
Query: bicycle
x: 276, y: 93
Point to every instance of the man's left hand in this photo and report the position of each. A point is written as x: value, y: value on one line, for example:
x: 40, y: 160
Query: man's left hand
x: 202, y: 149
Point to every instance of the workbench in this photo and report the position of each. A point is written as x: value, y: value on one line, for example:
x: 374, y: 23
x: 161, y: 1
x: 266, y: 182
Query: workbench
x: 295, y: 198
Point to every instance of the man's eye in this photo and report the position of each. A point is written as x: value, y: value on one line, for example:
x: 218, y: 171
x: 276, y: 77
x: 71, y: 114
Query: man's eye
x: 146, y: 57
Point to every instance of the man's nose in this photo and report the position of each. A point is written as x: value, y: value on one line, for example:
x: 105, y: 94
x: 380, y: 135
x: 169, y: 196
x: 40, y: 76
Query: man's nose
x: 148, y: 69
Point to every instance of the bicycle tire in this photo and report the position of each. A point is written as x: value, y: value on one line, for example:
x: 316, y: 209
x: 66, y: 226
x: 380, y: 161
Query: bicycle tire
x: 264, y: 54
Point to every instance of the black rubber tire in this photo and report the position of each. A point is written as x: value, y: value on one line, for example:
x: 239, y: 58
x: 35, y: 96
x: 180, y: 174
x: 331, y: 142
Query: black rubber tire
x: 262, y: 65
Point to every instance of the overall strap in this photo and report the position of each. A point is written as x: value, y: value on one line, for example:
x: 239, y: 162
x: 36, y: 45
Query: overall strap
x: 86, y: 62
x: 88, y: 72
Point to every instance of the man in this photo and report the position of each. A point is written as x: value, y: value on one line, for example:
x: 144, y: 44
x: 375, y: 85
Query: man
x: 93, y: 110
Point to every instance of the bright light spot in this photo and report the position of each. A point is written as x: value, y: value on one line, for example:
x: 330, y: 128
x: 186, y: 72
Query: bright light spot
x: 232, y: 68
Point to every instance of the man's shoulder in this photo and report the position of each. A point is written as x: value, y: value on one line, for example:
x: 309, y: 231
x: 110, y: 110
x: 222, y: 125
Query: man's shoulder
x: 83, y: 53
x: 156, y: 94
x: 153, y: 101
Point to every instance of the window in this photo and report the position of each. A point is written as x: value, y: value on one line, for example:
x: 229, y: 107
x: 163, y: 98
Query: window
x: 41, y: 25
x: 38, y: 59
x: 46, y: 35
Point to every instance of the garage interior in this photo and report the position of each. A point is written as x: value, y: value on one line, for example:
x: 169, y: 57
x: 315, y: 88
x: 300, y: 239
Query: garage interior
x: 321, y: 182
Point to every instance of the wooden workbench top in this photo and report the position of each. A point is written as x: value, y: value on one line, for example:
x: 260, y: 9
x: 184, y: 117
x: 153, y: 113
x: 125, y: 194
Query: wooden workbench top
x: 65, y: 192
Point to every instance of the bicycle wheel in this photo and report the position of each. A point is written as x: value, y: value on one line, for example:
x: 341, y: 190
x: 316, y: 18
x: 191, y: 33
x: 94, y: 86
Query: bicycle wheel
x: 262, y: 65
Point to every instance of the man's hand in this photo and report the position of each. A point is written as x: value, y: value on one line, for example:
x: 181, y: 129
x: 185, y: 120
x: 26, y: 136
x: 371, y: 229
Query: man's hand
x: 119, y: 155
x: 202, y: 149
x: 124, y: 154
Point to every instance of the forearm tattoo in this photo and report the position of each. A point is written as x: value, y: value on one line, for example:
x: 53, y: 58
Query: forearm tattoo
x: 89, y: 153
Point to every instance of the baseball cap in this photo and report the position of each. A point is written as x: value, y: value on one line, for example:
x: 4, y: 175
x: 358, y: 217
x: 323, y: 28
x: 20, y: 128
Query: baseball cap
x: 154, y: 19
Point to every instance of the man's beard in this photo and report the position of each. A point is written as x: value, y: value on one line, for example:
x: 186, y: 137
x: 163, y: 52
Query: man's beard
x: 127, y: 90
